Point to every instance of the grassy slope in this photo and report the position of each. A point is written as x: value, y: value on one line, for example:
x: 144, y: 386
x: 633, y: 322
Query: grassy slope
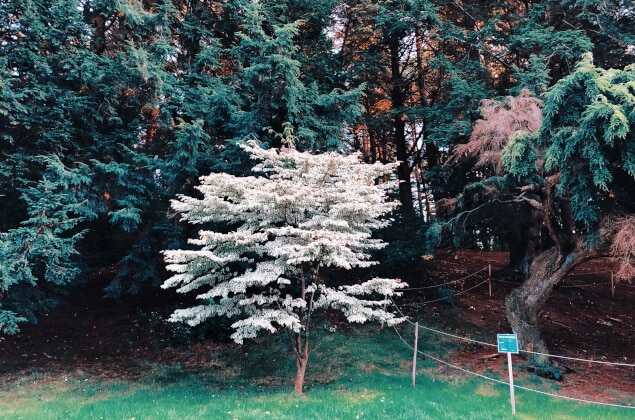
x: 364, y: 374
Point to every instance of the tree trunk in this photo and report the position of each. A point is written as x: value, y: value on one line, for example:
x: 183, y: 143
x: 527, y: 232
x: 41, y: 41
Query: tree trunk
x: 524, y: 224
x: 520, y: 251
x: 301, y: 344
x: 523, y: 304
x: 301, y: 363
x: 397, y: 95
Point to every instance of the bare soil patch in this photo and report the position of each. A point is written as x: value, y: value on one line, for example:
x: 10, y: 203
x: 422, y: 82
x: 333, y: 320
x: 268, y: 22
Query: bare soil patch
x: 583, y: 319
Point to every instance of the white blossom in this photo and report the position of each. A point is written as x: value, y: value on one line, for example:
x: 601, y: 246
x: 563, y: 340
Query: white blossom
x: 301, y: 212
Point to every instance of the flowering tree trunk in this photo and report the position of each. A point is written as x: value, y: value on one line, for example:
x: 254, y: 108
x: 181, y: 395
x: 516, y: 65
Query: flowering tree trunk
x: 301, y: 343
x: 301, y: 359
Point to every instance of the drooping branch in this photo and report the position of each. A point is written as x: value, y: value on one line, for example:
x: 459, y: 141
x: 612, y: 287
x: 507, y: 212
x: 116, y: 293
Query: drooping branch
x: 501, y: 120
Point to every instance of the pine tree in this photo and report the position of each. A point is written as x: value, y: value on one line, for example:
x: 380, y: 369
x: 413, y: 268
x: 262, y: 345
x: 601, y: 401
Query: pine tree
x: 264, y: 238
x: 526, y: 44
x: 44, y: 247
x: 45, y: 189
x: 82, y: 87
x: 275, y: 96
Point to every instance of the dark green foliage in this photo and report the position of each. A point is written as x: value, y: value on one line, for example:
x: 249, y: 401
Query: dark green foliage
x: 424, y: 82
x: 546, y: 371
x: 81, y: 138
x: 589, y: 129
x: 535, y: 77
x: 130, y: 102
x: 110, y: 109
x: 433, y: 237
x: 44, y: 246
x: 273, y: 95
x: 445, y: 294
x: 519, y: 157
x: 533, y: 43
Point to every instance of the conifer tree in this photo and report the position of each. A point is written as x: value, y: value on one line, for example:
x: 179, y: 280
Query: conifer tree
x: 422, y: 82
x: 264, y: 238
x: 274, y: 94
x: 145, y: 97
x: 519, y: 39
x: 567, y: 173
x: 487, y: 203
x: 45, y: 188
x: 586, y: 187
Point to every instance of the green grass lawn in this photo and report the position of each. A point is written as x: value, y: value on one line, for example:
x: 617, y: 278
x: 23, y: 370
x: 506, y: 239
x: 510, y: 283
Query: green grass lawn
x: 361, y: 375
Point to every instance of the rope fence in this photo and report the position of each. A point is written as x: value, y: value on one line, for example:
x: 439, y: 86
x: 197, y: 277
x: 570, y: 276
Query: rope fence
x: 454, y: 294
x: 489, y: 280
x: 436, y: 286
x: 417, y: 351
x: 482, y: 343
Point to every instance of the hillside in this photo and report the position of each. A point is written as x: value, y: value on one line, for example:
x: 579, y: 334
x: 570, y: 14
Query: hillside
x: 94, y: 336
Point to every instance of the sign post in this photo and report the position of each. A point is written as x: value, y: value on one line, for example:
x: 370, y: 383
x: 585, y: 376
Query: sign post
x: 508, y: 343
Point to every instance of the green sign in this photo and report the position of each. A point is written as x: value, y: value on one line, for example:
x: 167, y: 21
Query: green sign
x: 507, y: 343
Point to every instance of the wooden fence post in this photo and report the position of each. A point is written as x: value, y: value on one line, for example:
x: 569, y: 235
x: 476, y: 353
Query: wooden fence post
x: 414, y: 357
x: 489, y: 278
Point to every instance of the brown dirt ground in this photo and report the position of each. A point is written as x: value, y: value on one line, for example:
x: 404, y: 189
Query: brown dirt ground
x: 582, y: 319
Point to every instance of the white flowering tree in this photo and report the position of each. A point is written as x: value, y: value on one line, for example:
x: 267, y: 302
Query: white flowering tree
x: 265, y: 237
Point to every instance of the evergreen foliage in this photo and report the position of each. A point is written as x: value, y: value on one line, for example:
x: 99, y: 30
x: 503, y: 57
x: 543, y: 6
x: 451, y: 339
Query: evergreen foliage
x: 423, y: 85
x: 569, y: 182
x: 45, y: 245
x: 110, y: 108
x: 142, y: 98
x: 273, y: 94
x: 588, y: 135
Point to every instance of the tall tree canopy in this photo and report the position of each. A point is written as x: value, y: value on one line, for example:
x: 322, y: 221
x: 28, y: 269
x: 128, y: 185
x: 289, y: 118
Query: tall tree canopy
x: 423, y: 84
x: 115, y: 107
x: 108, y: 109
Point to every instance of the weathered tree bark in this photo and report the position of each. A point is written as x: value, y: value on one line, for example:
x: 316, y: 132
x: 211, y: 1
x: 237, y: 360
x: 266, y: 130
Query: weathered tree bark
x: 523, y: 304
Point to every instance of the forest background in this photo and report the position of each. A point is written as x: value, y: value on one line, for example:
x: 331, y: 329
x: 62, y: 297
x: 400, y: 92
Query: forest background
x: 110, y: 109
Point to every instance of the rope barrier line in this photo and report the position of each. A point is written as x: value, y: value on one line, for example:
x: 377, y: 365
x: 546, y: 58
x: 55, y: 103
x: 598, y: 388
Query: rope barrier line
x: 455, y: 294
x: 507, y: 281
x: 465, y: 339
x: 594, y: 273
x: 601, y: 362
x: 441, y: 332
x: 459, y: 338
x: 444, y: 284
x: 582, y: 285
x: 507, y: 383
x: 434, y: 286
